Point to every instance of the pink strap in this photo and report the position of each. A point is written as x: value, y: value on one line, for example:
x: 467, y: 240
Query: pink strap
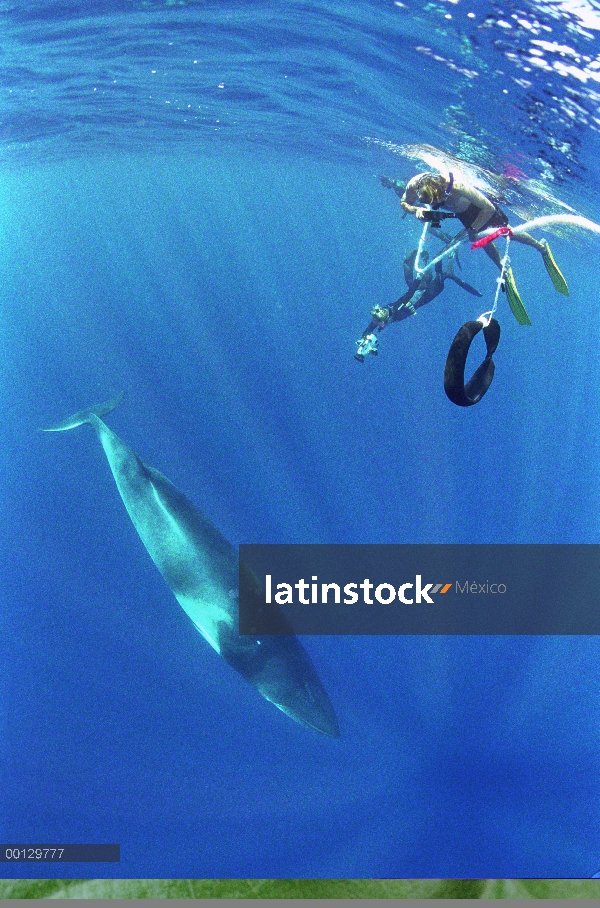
x: 501, y: 231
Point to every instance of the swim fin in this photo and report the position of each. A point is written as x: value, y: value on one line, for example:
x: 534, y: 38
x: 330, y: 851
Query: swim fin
x: 464, y: 285
x: 554, y: 271
x: 514, y: 300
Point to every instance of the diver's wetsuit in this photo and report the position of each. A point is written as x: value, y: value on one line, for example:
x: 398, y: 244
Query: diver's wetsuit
x: 426, y: 288
x: 470, y: 215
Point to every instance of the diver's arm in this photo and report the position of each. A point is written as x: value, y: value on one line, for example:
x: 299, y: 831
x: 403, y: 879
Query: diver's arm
x: 410, y: 196
x: 413, y: 209
x: 483, y: 217
x: 370, y: 328
x: 468, y: 195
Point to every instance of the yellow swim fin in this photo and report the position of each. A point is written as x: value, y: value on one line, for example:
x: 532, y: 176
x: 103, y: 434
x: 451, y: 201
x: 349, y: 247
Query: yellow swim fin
x: 554, y: 271
x: 514, y: 300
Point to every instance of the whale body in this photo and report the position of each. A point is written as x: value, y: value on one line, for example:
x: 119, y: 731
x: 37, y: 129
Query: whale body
x: 202, y: 570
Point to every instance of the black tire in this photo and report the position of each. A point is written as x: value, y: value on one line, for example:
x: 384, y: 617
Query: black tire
x: 461, y: 394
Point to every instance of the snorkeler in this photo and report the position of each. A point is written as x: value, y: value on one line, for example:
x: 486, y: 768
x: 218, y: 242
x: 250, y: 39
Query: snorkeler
x: 421, y: 290
x: 477, y: 213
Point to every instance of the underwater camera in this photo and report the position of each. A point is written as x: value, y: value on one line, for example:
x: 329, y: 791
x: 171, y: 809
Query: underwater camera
x: 436, y: 217
x: 366, y: 345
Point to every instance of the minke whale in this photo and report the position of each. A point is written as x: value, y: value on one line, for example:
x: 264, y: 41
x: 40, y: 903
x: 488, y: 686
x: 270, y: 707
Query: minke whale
x: 202, y: 570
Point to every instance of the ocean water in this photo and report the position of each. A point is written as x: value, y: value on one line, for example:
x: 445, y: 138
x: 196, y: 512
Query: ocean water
x: 190, y: 210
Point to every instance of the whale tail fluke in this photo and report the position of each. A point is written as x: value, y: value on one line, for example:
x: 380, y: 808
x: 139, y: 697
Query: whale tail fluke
x: 83, y: 416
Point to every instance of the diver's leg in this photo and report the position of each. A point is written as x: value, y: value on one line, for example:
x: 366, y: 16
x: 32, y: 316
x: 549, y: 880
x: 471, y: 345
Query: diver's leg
x: 509, y: 285
x: 529, y: 240
x: 463, y: 284
x: 556, y: 275
x: 434, y: 289
x: 493, y: 253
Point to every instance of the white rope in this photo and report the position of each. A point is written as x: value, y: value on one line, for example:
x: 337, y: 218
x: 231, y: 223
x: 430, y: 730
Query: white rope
x: 550, y: 219
x: 449, y: 250
x: 485, y: 318
x: 574, y: 219
x: 503, y: 266
x: 419, y: 271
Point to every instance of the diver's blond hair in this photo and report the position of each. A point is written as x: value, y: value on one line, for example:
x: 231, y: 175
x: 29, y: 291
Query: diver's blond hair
x: 431, y: 188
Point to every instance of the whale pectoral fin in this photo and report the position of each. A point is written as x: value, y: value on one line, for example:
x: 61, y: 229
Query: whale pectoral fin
x: 83, y: 416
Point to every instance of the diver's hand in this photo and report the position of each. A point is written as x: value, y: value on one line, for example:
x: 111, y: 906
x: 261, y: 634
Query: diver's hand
x: 420, y: 213
x: 385, y: 181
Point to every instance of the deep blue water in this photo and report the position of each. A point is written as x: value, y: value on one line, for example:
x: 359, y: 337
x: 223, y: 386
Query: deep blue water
x: 190, y: 210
